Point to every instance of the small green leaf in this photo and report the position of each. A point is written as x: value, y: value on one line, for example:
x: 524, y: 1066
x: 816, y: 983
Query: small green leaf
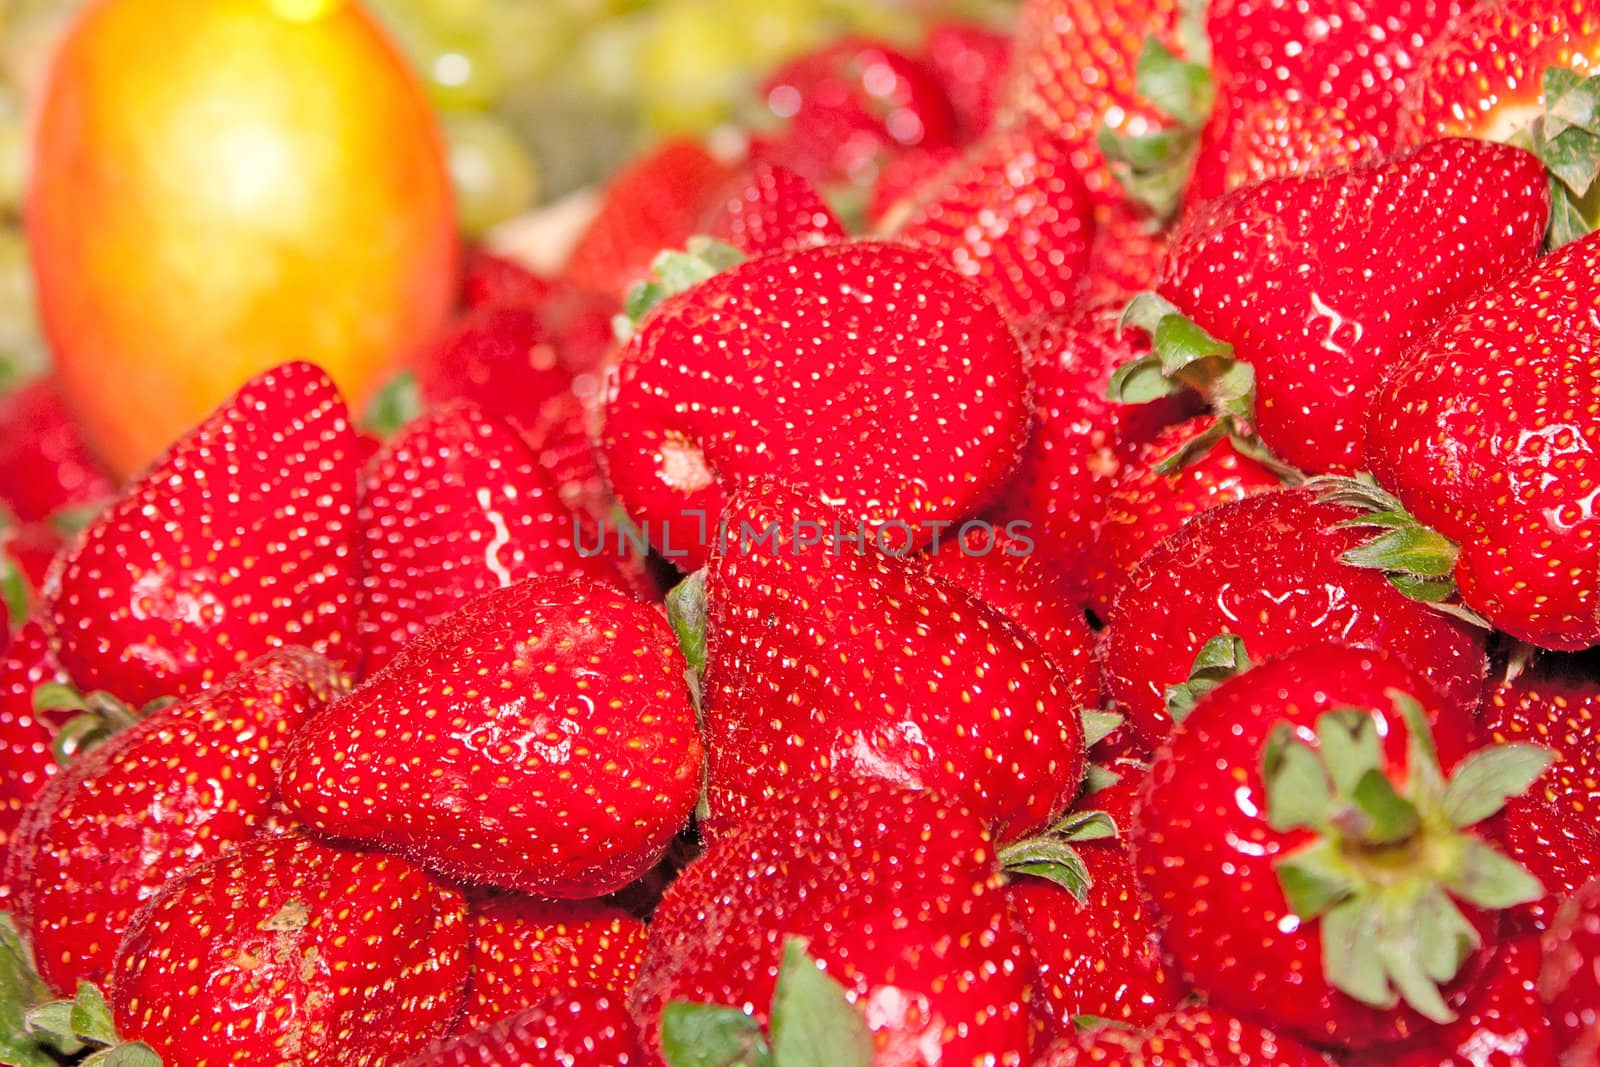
x: 1350, y: 746
x: 1403, y: 965
x: 675, y: 272
x: 813, y: 1022
x: 394, y: 406
x: 1219, y: 659
x: 135, y: 1055
x: 1195, y: 448
x: 15, y: 592
x: 91, y: 1016
x: 686, y: 610
x: 1315, y: 879
x: 1099, y: 725
x: 1444, y: 939
x: 1413, y: 550
x: 1179, y: 89
x: 53, y: 696
x: 1350, y: 959
x: 22, y: 991
x: 1426, y: 785
x: 53, y: 1020
x: 706, y: 1035
x: 1082, y: 826
x: 1049, y: 858
x: 1299, y: 795
x: 1483, y: 782
x: 1490, y: 880
x: 1096, y: 778
x: 1390, y: 817
x: 1139, y: 381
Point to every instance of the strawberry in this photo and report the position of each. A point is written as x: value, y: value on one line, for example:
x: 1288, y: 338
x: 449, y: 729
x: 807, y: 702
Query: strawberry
x: 1189, y: 1037
x: 904, y: 181
x: 554, y: 724
x: 654, y: 203
x: 501, y: 358
x: 1502, y: 1024
x: 826, y: 654
x: 488, y: 280
x: 1309, y: 839
x: 1282, y: 276
x: 1268, y: 569
x: 1484, y: 431
x: 289, y: 951
x: 1081, y: 439
x: 1126, y: 257
x: 1014, y: 217
x: 1099, y: 957
x: 27, y: 737
x: 868, y: 373
x: 848, y: 106
x: 1280, y: 137
x: 107, y: 833
x: 525, y: 950
x: 1165, y: 487
x: 1558, y: 845
x: 454, y: 506
x: 240, y: 539
x: 564, y: 1030
x: 894, y: 892
x: 45, y: 463
x: 971, y: 62
x: 1570, y: 981
x: 773, y: 209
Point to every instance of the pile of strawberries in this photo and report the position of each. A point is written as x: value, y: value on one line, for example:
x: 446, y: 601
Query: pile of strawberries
x: 1066, y: 549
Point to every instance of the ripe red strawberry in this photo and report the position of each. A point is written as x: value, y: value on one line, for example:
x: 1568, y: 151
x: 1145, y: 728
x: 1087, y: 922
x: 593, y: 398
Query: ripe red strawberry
x: 1268, y: 569
x: 452, y: 507
x: 525, y: 950
x: 1485, y: 431
x: 488, y: 280
x: 1099, y: 957
x: 539, y: 739
x: 1309, y: 839
x: 906, y: 180
x: 289, y: 951
x: 45, y: 464
x: 869, y: 373
x: 1004, y: 572
x: 240, y: 539
x: 1280, y: 137
x: 1125, y: 260
x: 564, y: 1030
x: 971, y: 60
x: 1570, y: 982
x: 894, y: 892
x: 179, y: 788
x: 1321, y: 283
x: 27, y: 761
x: 1147, y: 502
x: 850, y: 105
x: 1502, y: 1024
x: 1190, y: 1037
x: 654, y: 203
x: 1558, y: 845
x: 824, y: 655
x: 770, y: 208
x: 1014, y: 217
x: 1081, y: 439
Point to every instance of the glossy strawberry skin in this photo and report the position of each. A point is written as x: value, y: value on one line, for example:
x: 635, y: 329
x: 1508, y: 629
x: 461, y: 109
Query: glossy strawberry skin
x: 488, y: 280
x: 564, y: 1030
x: 285, y: 950
x: 770, y: 208
x: 1280, y: 137
x: 453, y: 506
x: 1558, y: 845
x: 1570, y: 982
x: 898, y: 897
x: 1485, y: 432
x: 823, y: 657
x: 179, y: 788
x: 1190, y: 1037
x: 525, y: 950
x: 1129, y: 249
x: 1291, y: 274
x: 1015, y: 217
x: 906, y: 180
x: 1080, y: 440
x: 45, y: 463
x: 25, y: 735
x: 971, y: 61
x: 1205, y: 850
x: 554, y: 723
x: 1267, y: 569
x: 1145, y: 505
x: 1101, y: 958
x: 240, y: 539
x: 870, y: 373
x: 848, y: 106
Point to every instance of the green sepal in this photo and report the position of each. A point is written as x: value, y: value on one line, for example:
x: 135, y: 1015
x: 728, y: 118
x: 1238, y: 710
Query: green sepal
x: 687, y: 612
x: 1315, y: 880
x: 813, y: 1022
x: 1086, y: 826
x: 97, y: 717
x: 1050, y: 858
x: 1389, y: 817
x: 1482, y: 782
x: 137, y: 1054
x: 1349, y: 962
x: 1491, y: 880
x: 1566, y: 138
x: 1349, y: 747
x: 1154, y: 167
x: 21, y: 992
x: 393, y: 407
x: 1426, y: 785
x: 1096, y: 778
x: 702, y: 259
x: 1099, y: 725
x: 15, y: 592
x: 1412, y: 550
x: 1219, y: 659
x: 1299, y: 795
x: 709, y: 1035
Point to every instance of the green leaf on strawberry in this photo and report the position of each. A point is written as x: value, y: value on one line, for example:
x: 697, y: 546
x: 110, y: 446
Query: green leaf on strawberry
x: 674, y: 272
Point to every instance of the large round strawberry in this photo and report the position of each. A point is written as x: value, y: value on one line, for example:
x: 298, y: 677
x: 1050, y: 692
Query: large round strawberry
x: 1268, y: 569
x: 1487, y: 432
x: 872, y: 374
x: 1310, y: 840
x: 894, y: 893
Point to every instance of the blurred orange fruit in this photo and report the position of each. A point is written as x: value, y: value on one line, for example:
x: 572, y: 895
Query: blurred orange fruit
x: 219, y: 186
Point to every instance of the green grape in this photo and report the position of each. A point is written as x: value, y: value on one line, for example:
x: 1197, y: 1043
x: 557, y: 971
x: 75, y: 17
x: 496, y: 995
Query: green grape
x: 691, y: 66
x: 495, y: 178
x: 776, y: 30
x: 20, y: 345
x: 458, y: 69
x: 607, y: 61
x: 530, y: 40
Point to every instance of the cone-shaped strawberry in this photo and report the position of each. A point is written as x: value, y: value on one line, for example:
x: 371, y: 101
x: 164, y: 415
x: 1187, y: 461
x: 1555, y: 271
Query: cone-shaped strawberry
x: 240, y: 539
x: 563, y: 1030
x: 541, y: 739
x: 773, y: 209
x: 1189, y: 1037
x: 1313, y: 839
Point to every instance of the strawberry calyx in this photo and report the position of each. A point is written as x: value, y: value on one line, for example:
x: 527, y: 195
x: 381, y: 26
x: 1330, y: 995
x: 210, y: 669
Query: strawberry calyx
x: 1566, y: 138
x: 687, y: 614
x: 1418, y: 560
x: 38, y: 1030
x: 97, y: 716
x: 1389, y: 860
x: 674, y: 272
x: 812, y: 1021
x: 1050, y: 855
x: 393, y: 407
x: 1219, y: 659
x: 1153, y: 167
